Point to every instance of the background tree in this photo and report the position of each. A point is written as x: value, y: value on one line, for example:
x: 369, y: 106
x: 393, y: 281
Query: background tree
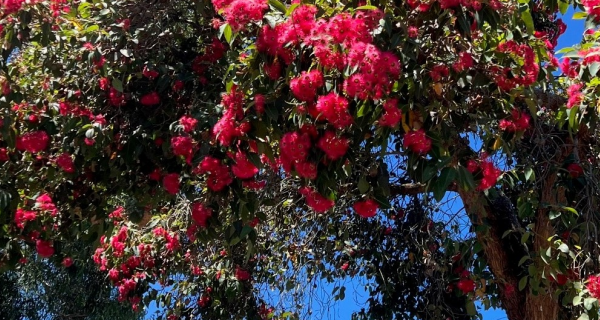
x: 217, y: 148
x: 67, y: 289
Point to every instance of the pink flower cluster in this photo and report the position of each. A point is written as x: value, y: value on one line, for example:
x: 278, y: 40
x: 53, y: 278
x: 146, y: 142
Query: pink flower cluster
x: 518, y: 122
x: 218, y: 173
x: 508, y: 78
x: 239, y: 13
x: 417, y: 142
x: 315, y: 200
x: 489, y: 172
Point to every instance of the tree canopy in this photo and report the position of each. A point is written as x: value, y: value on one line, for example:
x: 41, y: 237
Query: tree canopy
x: 215, y: 151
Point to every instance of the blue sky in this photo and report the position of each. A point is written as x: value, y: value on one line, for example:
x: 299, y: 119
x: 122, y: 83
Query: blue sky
x: 356, y: 296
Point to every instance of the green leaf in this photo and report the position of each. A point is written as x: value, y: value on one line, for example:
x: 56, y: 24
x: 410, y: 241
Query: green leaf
x: 564, y: 248
x: 588, y: 303
x: 278, y: 5
x: 471, y: 308
x: 465, y: 178
x: 572, y: 114
x: 528, y: 174
x: 442, y: 182
x: 577, y: 300
x: 522, y: 283
x: 593, y: 68
x: 528, y: 20
x: 583, y: 317
x: 363, y: 185
x: 563, y: 7
x: 117, y: 84
x: 367, y: 7
x: 227, y: 33
x: 579, y: 15
x: 525, y: 258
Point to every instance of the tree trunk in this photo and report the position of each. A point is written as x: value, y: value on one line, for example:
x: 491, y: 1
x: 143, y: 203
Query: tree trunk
x: 519, y: 305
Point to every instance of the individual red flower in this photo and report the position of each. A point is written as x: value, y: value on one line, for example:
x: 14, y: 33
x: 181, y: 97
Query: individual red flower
x: 315, y: 200
x: 150, y: 99
x: 33, y: 142
x: 67, y: 262
x: 104, y: 84
x: 22, y: 216
x: 200, y: 214
x: 155, y: 175
x: 334, y: 147
x: 171, y: 183
x: 259, y: 103
x: 593, y: 286
x: 392, y: 114
x: 150, y: 74
x: 243, y: 168
x: 44, y: 248
x: 417, y: 142
x: 575, y: 170
x: 367, y: 208
x: 178, y: 85
x: 490, y: 175
x: 188, y: 123
x: 241, y: 274
x: 345, y: 266
x: 183, y: 146
x: 4, y: 154
x: 466, y: 285
x: 65, y: 162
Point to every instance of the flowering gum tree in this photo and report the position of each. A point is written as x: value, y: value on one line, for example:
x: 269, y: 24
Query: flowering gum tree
x: 216, y: 151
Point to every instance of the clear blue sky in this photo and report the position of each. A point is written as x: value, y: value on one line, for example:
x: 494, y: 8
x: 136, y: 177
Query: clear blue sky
x: 344, y: 309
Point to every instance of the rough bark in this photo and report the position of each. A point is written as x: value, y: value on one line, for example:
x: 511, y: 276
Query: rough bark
x: 478, y: 210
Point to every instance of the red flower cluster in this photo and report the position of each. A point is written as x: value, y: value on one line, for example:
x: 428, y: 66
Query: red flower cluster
x: 218, y: 177
x: 4, y: 154
x: 241, y: 274
x: 575, y: 95
x: 488, y: 170
x: 150, y: 74
x: 593, y: 8
x: 33, y: 142
x: 315, y: 200
x: 45, y: 203
x: 188, y: 123
x: 44, y: 249
x: 65, y: 162
x: 575, y: 170
x: 391, y: 115
x: 334, y: 108
x: 305, y: 86
x: 239, y: 13
x: 183, y: 146
x: 464, y: 62
x: 519, y: 122
x: 293, y: 149
x: 334, y: 147
x: 509, y: 77
x: 438, y: 72
x: 243, y: 168
x: 150, y: 99
x: 227, y: 127
x: 22, y: 216
x: 259, y: 103
x: 466, y: 285
x: 417, y: 142
x: 171, y: 183
x: 593, y: 286
x: 200, y: 214
x: 367, y: 208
